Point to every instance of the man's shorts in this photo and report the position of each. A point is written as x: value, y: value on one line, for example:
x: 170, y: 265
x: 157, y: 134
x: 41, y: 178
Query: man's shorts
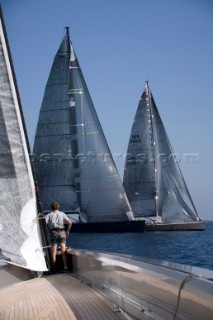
x: 57, y: 237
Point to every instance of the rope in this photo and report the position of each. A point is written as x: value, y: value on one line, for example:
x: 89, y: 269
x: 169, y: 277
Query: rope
x: 185, y: 280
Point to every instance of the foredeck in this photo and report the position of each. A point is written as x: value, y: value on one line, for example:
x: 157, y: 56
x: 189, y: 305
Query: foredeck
x: 59, y: 296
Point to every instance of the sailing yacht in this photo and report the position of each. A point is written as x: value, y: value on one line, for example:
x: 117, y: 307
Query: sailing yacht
x: 72, y: 160
x: 152, y: 179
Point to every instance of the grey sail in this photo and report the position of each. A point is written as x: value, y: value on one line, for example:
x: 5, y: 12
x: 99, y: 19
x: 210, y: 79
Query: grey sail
x: 20, y: 238
x: 52, y: 146
x: 152, y: 178
x: 85, y: 176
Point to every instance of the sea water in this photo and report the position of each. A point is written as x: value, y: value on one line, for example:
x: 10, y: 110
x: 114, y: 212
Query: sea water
x: 185, y: 247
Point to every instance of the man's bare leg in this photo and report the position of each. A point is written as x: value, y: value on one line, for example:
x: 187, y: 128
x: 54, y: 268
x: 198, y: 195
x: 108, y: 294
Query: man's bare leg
x: 54, y: 252
x: 63, y: 251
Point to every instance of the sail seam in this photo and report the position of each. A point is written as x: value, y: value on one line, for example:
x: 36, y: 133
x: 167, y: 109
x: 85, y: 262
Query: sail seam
x: 98, y: 177
x: 52, y: 135
x: 54, y: 110
x: 58, y: 78
x: 56, y: 84
x: 73, y: 91
x: 63, y: 54
x: 42, y: 123
x: 83, y: 133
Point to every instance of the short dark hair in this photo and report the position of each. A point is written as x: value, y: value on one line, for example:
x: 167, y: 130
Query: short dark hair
x: 55, y: 205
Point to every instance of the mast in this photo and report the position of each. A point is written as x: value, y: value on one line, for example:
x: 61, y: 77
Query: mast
x: 153, y: 146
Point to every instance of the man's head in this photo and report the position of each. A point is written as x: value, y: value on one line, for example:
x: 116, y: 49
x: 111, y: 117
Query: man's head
x: 55, y: 205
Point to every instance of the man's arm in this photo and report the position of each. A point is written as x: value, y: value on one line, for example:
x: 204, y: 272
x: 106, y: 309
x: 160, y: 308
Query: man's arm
x: 69, y: 226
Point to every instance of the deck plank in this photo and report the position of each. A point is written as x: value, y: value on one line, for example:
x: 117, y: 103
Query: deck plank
x: 33, y: 299
x: 55, y: 297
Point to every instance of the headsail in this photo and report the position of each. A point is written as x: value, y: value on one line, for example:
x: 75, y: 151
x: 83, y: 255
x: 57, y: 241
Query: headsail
x: 152, y: 178
x: 20, y: 242
x: 68, y: 125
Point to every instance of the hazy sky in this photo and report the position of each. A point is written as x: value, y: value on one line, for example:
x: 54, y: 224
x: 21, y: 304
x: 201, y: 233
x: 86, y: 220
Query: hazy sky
x: 120, y: 44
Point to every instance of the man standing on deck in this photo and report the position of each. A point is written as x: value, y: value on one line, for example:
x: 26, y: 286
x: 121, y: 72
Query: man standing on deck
x: 55, y: 222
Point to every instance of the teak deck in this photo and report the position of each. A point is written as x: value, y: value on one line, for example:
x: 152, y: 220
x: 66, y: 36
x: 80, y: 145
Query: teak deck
x: 58, y: 297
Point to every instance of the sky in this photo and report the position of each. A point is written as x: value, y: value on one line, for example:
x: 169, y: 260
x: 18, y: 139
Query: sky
x: 120, y: 45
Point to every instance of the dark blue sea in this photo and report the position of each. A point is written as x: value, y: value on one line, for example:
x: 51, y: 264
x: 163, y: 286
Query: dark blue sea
x: 185, y: 247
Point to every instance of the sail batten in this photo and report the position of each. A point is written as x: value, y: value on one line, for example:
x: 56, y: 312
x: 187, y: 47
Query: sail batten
x: 152, y: 178
x: 97, y: 188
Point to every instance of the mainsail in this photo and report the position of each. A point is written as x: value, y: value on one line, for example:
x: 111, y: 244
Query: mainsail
x: 73, y: 163
x: 20, y: 239
x: 152, y: 178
